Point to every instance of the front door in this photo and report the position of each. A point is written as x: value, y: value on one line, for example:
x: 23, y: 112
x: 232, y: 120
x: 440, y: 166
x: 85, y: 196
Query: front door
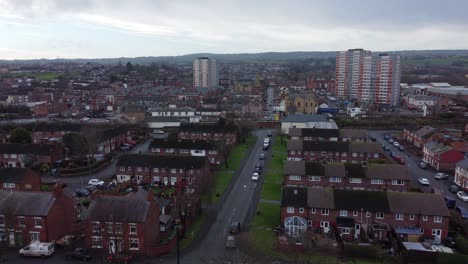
x: 166, y: 180
x: 34, y: 236
x: 437, y: 233
x: 357, y: 230
x: 325, y: 226
x: 11, y: 237
x: 139, y: 179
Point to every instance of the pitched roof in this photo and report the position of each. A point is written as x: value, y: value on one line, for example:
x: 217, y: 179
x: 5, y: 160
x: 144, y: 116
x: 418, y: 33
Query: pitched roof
x: 320, y: 198
x: 207, y: 128
x: 182, y: 143
x: 294, y: 167
x: 320, y: 132
x: 463, y: 164
x: 365, y: 147
x: 13, y: 175
x: 413, y: 202
x: 314, y: 169
x: 38, y: 149
x: 26, y: 203
x: 294, y: 144
x: 161, y: 161
x: 301, y: 118
x: 295, y: 132
x: 425, y: 132
x: 437, y: 148
x: 118, y: 209
x: 294, y: 196
x: 361, y: 200
x: 335, y: 170
x: 353, y: 133
x: 355, y: 170
x: 333, y: 146
x: 388, y: 172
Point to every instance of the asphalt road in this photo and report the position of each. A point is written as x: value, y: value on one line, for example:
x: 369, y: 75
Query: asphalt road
x: 235, y: 208
x: 76, y: 182
x: 413, y: 169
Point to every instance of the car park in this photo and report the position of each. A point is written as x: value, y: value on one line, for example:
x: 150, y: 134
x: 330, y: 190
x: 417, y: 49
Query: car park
x: 79, y: 254
x: 462, y: 196
x: 255, y: 176
x: 441, y: 176
x: 95, y: 182
x: 423, y: 181
x: 453, y: 188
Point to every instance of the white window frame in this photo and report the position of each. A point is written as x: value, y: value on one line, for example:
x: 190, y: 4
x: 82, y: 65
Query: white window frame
x: 345, y: 231
x: 437, y: 219
x: 155, y: 169
x: 355, y: 180
x: 301, y: 210
x: 399, y: 216
x: 294, y: 177
x: 315, y: 178
x: 425, y: 217
x: 132, y: 241
x: 398, y: 182
x: 290, y: 210
x: 411, y: 217
x: 355, y: 213
x: 96, y: 242
x: 335, y: 179
x: 36, y: 220
x: 134, y: 227
x: 377, y: 181
x: 325, y: 211
x: 313, y: 210
x: 379, y: 215
x: 343, y: 212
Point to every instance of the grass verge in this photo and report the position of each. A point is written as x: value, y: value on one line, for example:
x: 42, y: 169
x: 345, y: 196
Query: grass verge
x: 224, y: 175
x: 274, y: 176
x: 192, y: 231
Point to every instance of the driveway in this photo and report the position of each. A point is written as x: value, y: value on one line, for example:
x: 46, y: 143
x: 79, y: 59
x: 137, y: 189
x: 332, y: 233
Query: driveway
x: 413, y: 169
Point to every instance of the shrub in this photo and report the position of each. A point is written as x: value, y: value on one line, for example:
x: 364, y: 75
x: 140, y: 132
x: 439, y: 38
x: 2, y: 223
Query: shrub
x: 357, y: 251
x: 462, y: 244
x: 446, y: 258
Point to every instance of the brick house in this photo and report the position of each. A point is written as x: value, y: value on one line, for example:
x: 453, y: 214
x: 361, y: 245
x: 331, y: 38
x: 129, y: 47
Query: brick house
x: 19, y: 179
x: 441, y: 157
x: 354, y: 152
x: 346, y: 176
x: 168, y: 170
x: 461, y: 174
x: 17, y: 155
x: 113, y: 138
x: 320, y: 134
x: 301, y: 103
x: 123, y: 224
x: 421, y: 136
x: 187, y: 147
x: 43, y: 132
x: 355, y: 213
x: 35, y: 216
x: 228, y: 133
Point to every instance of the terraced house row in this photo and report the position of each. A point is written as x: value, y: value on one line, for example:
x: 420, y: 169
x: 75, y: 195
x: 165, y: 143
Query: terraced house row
x: 320, y: 134
x: 147, y: 168
x: 333, y: 151
x: 359, y: 214
x: 353, y: 176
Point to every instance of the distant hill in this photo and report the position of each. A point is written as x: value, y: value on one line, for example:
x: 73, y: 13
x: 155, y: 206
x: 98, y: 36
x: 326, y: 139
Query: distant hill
x: 242, y: 57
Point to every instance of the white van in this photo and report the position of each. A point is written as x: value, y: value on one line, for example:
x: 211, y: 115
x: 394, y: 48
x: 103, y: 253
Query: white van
x: 37, y: 249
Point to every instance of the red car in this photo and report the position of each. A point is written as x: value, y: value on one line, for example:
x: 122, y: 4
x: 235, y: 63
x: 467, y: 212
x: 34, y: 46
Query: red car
x: 120, y: 258
x: 402, y: 162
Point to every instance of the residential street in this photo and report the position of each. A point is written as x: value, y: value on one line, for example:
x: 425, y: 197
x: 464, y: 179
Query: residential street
x: 413, y: 169
x: 76, y: 182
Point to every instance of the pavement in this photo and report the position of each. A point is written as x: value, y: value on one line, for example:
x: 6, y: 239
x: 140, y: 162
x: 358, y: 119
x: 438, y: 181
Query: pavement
x: 76, y: 182
x: 416, y: 172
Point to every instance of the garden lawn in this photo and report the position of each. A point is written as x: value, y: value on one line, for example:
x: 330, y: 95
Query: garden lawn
x: 274, y: 176
x: 224, y: 175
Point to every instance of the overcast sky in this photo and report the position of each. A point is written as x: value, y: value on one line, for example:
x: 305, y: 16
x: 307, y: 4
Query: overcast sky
x: 130, y: 28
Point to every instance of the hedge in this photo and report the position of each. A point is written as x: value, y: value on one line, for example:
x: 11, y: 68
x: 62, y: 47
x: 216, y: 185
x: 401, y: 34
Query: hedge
x: 447, y: 258
x: 84, y: 169
x: 462, y: 244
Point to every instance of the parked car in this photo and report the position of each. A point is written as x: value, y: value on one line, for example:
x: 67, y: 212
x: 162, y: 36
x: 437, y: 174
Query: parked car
x: 391, y: 141
x: 262, y: 156
x: 386, y: 137
x: 453, y: 189
x: 451, y: 202
x: 402, y: 162
x: 396, y: 144
x: 265, y: 146
x: 396, y: 158
x: 401, y: 148
x: 37, y: 249
x: 120, y: 258
x: 269, y: 133
x: 441, y: 176
x: 462, y: 211
x: 124, y: 148
x: 157, y: 131
x: 255, y: 176
x: 462, y: 196
x: 82, y: 192
x: 423, y: 181
x: 79, y: 254
x: 90, y: 188
x: 387, y: 148
x: 230, y: 241
x: 422, y: 165
x: 234, y: 228
x: 95, y: 182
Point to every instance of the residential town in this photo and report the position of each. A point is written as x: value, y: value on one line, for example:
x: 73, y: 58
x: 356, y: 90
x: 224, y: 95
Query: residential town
x: 158, y: 163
